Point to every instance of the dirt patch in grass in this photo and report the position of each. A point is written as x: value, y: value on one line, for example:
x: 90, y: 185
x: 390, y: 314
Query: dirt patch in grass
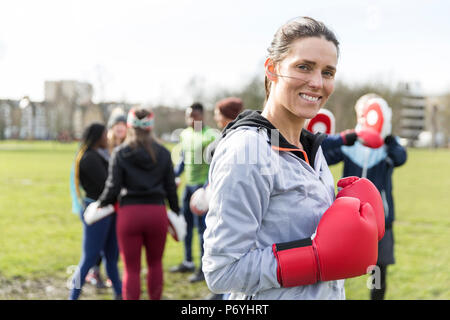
x: 46, y: 289
x: 18, y: 288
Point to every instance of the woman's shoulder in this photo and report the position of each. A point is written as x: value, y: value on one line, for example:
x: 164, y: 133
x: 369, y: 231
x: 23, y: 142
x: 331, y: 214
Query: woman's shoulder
x: 246, y: 145
x: 90, y: 157
x: 160, y: 147
x: 162, y: 152
x: 244, y: 137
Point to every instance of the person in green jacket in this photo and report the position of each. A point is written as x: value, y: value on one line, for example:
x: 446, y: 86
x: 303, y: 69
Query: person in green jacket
x: 194, y: 140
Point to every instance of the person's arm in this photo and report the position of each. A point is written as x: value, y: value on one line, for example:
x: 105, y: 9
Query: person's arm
x: 210, y: 149
x: 170, y: 186
x: 113, y: 183
x: 395, y: 151
x: 331, y: 148
x: 239, y: 197
x: 179, y: 168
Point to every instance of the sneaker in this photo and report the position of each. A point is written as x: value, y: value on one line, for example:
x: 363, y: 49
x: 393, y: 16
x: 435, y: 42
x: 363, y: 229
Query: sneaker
x: 95, y: 278
x: 90, y: 278
x: 197, y: 277
x: 185, y: 266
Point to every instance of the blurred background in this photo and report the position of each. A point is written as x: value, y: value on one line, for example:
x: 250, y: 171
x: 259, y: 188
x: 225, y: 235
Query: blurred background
x: 65, y: 64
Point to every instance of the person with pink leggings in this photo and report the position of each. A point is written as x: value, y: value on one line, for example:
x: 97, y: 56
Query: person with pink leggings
x: 141, y: 177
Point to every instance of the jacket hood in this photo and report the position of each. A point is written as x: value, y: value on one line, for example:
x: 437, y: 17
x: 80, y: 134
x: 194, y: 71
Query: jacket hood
x: 252, y: 118
x: 248, y: 118
x: 139, y: 157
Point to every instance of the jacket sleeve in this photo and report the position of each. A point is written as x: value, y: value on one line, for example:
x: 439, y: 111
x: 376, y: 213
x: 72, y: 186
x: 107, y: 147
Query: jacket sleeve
x: 395, y: 151
x: 170, y: 186
x: 113, y: 183
x: 179, y: 168
x: 331, y: 148
x: 240, y: 195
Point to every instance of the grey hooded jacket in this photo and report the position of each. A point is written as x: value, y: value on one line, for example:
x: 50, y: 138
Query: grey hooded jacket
x: 261, y: 196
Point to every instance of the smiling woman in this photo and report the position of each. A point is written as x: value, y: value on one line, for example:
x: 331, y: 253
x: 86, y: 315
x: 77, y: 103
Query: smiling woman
x: 272, y: 222
x: 303, y: 82
x: 300, y: 71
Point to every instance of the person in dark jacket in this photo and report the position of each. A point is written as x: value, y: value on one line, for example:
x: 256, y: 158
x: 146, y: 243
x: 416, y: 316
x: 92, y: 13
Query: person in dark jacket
x: 117, y: 132
x: 141, y: 177
x: 377, y: 165
x: 91, y: 171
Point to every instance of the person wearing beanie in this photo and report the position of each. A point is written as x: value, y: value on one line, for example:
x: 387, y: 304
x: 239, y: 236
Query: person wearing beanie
x: 117, y: 129
x: 143, y: 168
x: 116, y: 134
x: 227, y: 110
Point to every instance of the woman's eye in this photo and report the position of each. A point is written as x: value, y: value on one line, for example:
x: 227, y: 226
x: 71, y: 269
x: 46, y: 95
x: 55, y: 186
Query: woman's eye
x: 303, y: 67
x: 328, y: 74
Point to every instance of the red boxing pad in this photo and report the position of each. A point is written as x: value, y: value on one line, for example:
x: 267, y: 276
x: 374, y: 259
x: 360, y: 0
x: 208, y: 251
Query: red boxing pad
x: 373, y: 116
x: 323, y: 122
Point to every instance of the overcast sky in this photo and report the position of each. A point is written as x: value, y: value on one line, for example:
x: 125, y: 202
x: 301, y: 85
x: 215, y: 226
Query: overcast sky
x: 148, y: 51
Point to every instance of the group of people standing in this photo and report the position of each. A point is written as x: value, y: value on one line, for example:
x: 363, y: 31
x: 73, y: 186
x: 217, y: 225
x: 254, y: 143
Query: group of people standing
x: 124, y: 165
x: 273, y: 227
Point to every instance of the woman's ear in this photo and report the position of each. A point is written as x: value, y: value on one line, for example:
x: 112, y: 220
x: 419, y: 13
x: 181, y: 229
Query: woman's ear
x: 269, y: 67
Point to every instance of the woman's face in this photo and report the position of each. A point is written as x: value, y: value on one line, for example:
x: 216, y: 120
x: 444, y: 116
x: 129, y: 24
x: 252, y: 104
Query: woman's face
x: 310, y: 67
x: 192, y: 116
x: 220, y: 120
x: 103, y: 142
x: 120, y: 131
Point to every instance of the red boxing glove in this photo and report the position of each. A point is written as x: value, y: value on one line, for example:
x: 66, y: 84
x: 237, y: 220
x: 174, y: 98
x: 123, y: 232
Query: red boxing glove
x: 365, y: 191
x: 370, y: 138
x: 345, y: 246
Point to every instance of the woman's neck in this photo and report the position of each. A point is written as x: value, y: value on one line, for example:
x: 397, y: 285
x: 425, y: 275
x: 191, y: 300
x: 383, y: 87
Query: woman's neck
x: 289, y: 125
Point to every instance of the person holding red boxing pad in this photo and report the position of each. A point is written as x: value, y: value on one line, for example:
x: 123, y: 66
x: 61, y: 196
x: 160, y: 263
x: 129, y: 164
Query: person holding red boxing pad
x: 371, y: 151
x: 275, y: 229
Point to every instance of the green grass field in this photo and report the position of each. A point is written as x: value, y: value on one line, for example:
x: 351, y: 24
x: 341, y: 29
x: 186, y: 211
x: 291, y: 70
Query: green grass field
x: 40, y: 237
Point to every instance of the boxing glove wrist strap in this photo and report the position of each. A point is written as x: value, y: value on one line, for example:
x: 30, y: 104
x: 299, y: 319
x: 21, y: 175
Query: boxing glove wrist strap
x: 296, y: 263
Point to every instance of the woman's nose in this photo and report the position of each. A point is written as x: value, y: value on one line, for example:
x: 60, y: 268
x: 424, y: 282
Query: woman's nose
x: 315, y: 81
